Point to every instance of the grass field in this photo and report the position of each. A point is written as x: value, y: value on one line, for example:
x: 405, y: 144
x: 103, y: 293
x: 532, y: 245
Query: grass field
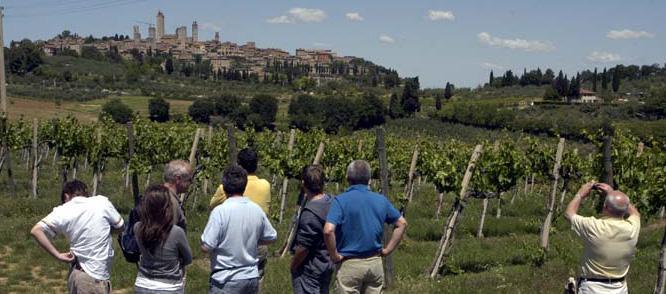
x: 507, y: 260
x: 87, y: 111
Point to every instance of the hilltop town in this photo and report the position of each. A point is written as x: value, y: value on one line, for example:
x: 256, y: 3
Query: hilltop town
x: 221, y: 55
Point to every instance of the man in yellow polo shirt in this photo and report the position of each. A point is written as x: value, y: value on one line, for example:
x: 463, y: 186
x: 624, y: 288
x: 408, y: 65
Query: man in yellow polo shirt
x: 609, y: 241
x: 258, y: 190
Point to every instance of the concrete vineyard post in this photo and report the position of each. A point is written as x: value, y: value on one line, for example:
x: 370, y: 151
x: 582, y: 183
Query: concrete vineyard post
x: 545, y: 229
x: 285, y: 181
x: 383, y: 176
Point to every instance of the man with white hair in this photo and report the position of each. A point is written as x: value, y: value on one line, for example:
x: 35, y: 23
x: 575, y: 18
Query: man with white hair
x: 609, y: 241
x: 353, y: 233
x: 178, y: 178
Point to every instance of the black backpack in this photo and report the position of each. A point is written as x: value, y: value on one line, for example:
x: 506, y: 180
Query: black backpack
x: 127, y: 240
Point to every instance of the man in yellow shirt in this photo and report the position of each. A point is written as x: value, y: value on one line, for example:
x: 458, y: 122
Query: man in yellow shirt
x: 609, y: 241
x: 258, y: 190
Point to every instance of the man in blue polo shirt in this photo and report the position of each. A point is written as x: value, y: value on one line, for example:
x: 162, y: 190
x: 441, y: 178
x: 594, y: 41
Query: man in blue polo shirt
x: 354, y: 229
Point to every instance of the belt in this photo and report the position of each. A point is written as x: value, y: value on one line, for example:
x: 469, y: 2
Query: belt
x: 605, y: 280
x: 361, y: 257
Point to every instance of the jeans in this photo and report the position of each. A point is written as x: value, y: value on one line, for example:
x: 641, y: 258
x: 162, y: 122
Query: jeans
x: 235, y: 287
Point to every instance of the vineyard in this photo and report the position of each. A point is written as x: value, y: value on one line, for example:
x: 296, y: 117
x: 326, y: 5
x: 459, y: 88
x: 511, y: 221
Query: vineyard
x: 477, y: 210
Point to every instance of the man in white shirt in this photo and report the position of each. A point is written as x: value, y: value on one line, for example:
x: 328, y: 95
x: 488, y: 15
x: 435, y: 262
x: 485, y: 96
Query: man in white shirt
x: 87, y: 223
x: 231, y: 236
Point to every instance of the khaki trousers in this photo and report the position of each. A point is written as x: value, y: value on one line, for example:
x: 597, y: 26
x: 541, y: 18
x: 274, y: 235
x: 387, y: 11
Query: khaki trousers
x: 79, y: 282
x: 363, y: 275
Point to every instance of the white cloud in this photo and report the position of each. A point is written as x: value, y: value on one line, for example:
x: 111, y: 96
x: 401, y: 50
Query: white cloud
x: 299, y: 15
x: 354, y: 16
x: 209, y: 26
x: 279, y: 19
x: 307, y: 14
x: 520, y: 44
x: 435, y: 15
x: 603, y: 57
x: 628, y: 34
x: 490, y: 65
x: 386, y: 39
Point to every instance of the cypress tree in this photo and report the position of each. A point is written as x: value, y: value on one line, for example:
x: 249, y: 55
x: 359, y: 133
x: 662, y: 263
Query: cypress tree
x: 594, y: 80
x: 448, y: 91
x: 604, y: 80
x: 616, y: 80
x: 492, y: 77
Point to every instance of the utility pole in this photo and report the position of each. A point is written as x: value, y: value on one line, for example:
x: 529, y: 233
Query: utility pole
x: 3, y: 90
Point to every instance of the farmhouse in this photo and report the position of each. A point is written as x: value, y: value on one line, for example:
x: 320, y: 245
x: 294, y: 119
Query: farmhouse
x: 587, y: 96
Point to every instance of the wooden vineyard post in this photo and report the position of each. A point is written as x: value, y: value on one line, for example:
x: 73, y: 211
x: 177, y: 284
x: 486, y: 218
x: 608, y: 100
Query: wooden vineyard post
x: 285, y: 181
x: 97, y: 165
x: 409, y: 188
x: 7, y: 154
x: 209, y: 140
x: 545, y: 229
x: 440, y: 203
x: 384, y: 181
x: 130, y: 153
x: 35, y: 158
x: 452, y: 222
x: 608, y: 162
x: 661, y: 270
x: 231, y: 140
x: 294, y: 222
x: 191, y: 159
x: 479, y: 233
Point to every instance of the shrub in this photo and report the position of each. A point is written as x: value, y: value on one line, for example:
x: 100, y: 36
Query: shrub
x: 201, y: 110
x: 117, y: 110
x: 304, y: 112
x: 263, y: 109
x: 158, y: 109
x: 226, y: 105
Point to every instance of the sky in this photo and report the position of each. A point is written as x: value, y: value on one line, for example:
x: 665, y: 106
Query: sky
x: 438, y: 41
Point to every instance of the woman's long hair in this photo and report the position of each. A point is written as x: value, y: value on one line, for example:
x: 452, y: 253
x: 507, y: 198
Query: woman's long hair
x: 156, y: 215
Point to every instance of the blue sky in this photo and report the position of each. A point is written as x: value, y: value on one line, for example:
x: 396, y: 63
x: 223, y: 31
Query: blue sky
x: 440, y: 41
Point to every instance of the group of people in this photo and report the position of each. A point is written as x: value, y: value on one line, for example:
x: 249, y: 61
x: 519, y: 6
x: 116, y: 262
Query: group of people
x: 341, y: 234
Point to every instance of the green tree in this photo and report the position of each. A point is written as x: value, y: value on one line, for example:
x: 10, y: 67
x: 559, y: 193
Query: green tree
x: 616, y: 80
x: 226, y: 105
x: 201, y: 110
x: 594, y: 80
x: 90, y: 52
x: 263, y: 109
x: 117, y: 110
x: 448, y: 91
x: 370, y: 111
x: 491, y: 78
x: 604, y: 80
x: 158, y: 109
x: 395, y: 109
x: 168, y: 66
x: 304, y: 112
x: 337, y: 113
x: 23, y: 57
x: 410, y: 96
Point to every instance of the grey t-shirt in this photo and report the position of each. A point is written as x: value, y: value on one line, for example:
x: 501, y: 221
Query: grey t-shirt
x: 310, y: 235
x: 168, y: 260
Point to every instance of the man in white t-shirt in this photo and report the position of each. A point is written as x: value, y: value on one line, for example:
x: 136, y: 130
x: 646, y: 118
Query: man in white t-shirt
x: 87, y: 223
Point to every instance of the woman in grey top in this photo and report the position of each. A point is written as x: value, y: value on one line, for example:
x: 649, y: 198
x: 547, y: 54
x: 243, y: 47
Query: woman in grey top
x: 164, y: 248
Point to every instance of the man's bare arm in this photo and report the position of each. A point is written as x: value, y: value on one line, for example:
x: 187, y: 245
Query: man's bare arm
x: 633, y: 211
x: 396, y: 236
x: 572, y: 208
x: 299, y: 256
x: 329, y: 239
x: 38, y: 233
